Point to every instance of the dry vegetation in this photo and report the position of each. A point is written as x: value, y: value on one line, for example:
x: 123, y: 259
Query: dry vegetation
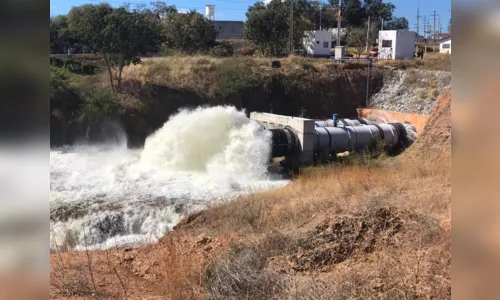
x: 367, y: 230
x: 431, y: 61
x: 199, y: 73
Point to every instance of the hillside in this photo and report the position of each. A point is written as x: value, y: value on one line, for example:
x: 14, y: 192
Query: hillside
x: 361, y: 229
x: 411, y: 91
x: 158, y: 87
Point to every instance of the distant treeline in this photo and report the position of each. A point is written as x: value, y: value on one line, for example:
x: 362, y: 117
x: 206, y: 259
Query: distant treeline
x: 121, y: 35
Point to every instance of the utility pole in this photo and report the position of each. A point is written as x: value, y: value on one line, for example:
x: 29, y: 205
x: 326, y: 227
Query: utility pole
x: 320, y: 11
x: 382, y: 24
x: 338, y: 23
x: 367, y: 34
x: 434, y: 27
x: 418, y: 18
x: 291, y: 27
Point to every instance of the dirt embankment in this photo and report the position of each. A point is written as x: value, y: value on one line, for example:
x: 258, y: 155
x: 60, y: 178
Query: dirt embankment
x: 158, y: 87
x: 376, y: 230
x: 411, y: 91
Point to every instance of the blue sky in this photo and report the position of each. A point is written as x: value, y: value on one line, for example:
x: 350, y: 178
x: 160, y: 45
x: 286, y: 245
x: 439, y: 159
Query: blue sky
x: 235, y: 9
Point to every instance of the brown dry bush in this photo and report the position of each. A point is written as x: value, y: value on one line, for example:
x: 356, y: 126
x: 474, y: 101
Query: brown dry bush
x: 241, y: 275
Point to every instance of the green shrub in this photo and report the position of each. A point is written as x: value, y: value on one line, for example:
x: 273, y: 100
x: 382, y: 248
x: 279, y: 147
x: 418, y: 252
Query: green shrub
x: 233, y: 77
x: 74, y: 66
x: 99, y: 103
x: 308, y: 66
x: 56, y: 62
x: 78, y: 67
x: 222, y: 50
x: 166, y: 51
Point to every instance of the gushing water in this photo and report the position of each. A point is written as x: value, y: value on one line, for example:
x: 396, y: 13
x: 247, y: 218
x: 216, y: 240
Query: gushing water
x: 107, y: 195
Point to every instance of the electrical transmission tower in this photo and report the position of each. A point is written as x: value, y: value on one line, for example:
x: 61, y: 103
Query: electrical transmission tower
x: 434, y: 27
x: 425, y: 26
x: 439, y: 25
x: 418, y: 18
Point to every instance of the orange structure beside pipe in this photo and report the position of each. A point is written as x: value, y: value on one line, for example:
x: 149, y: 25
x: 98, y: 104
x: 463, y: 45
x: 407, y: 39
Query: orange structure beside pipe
x: 417, y: 120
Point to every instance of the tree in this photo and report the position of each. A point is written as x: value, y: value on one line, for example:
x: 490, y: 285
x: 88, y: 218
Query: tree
x: 378, y: 10
x: 396, y: 23
x: 351, y: 11
x: 268, y: 27
x: 356, y: 37
x: 162, y: 9
x: 117, y: 35
x: 357, y: 13
x: 189, y: 32
x: 60, y: 35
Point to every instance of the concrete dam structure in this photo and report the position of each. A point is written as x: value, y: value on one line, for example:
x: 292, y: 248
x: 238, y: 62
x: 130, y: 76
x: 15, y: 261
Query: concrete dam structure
x: 305, y: 141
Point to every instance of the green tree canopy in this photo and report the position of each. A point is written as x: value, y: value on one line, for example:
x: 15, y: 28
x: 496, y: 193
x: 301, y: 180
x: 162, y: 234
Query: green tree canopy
x: 356, y: 13
x: 189, y: 32
x: 351, y: 11
x: 378, y: 10
x: 162, y: 9
x: 120, y: 36
x: 396, y: 23
x: 60, y: 34
x: 268, y: 27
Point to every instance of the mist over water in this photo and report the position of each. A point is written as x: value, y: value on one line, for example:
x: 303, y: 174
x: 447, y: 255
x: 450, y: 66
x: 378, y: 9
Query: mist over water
x: 107, y: 195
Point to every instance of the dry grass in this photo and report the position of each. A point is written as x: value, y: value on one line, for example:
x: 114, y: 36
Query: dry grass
x: 272, y: 231
x: 431, y: 61
x: 414, y: 263
x: 200, y: 73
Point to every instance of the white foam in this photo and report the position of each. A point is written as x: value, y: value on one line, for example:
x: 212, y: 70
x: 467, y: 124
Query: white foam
x: 197, y: 158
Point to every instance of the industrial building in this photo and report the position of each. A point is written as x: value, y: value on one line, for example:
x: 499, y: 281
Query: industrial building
x: 318, y: 43
x: 445, y: 45
x: 224, y: 30
x: 228, y: 30
x: 396, y: 44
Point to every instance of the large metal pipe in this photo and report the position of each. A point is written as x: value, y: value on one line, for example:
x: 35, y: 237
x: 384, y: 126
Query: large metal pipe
x: 343, y: 122
x: 284, y: 142
x: 331, y: 140
x: 338, y: 139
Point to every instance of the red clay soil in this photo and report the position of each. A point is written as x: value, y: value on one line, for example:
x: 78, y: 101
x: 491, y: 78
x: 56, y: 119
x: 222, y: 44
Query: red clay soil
x: 436, y: 136
x: 159, y: 271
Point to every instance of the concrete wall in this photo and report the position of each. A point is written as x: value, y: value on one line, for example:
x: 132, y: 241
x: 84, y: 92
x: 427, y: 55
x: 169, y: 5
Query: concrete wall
x: 403, y: 44
x: 386, y: 52
x: 228, y: 30
x: 445, y: 50
x: 314, y: 42
x: 304, y: 128
x: 417, y: 120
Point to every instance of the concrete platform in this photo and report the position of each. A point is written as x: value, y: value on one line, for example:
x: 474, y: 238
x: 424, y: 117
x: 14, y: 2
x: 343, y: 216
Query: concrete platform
x: 304, y: 128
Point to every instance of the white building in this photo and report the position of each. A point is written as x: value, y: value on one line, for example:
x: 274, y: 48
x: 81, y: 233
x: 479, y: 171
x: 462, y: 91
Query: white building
x: 343, y: 32
x: 317, y: 43
x: 445, y: 45
x: 396, y: 44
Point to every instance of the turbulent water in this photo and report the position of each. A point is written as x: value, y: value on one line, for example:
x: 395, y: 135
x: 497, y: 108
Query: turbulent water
x: 107, y: 195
